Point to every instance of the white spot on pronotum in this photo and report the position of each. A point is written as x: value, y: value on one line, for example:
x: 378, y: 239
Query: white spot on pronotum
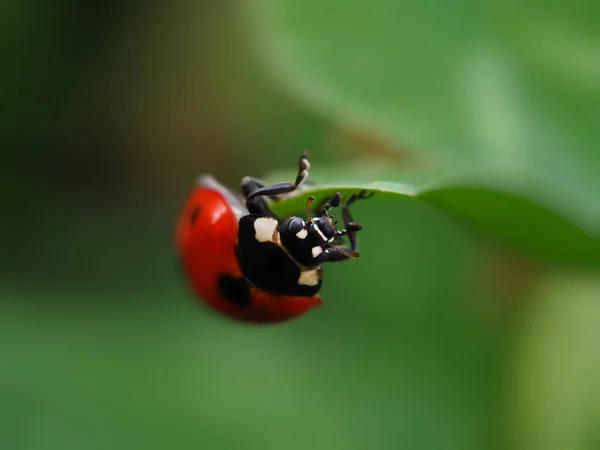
x: 331, y: 240
x: 302, y: 233
x: 264, y: 228
x: 316, y: 251
x: 309, y: 278
x: 316, y: 227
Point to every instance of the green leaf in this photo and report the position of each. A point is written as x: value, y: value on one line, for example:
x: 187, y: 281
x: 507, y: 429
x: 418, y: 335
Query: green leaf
x: 458, y: 81
x: 505, y: 104
x: 519, y: 218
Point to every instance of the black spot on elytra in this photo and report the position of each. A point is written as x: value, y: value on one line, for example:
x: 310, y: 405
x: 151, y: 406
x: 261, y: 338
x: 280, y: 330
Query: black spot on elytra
x: 235, y: 290
x: 194, y: 214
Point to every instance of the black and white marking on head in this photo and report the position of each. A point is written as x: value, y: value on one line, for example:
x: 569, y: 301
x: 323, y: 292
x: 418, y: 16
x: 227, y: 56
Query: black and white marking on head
x: 306, y: 241
x: 324, y: 227
x: 318, y: 230
x: 302, y: 233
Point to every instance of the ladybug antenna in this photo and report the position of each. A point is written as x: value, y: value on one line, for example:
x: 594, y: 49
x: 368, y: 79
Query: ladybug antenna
x: 346, y: 254
x: 309, y: 200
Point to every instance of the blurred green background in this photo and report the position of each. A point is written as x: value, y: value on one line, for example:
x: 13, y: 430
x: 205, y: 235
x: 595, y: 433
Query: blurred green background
x: 436, y: 338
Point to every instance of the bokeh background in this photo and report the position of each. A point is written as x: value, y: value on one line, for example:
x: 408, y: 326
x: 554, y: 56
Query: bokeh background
x: 434, y: 339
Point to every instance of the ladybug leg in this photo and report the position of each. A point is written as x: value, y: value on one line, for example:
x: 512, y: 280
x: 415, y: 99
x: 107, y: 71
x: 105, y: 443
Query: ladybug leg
x: 251, y: 184
x: 342, y: 252
x: 351, y: 227
x: 334, y: 202
x: 257, y: 205
x: 336, y: 254
x: 278, y: 189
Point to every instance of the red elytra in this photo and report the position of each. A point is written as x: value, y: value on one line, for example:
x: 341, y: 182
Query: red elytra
x: 206, y: 236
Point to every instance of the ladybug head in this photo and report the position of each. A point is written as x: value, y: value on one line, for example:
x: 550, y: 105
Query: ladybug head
x: 311, y: 242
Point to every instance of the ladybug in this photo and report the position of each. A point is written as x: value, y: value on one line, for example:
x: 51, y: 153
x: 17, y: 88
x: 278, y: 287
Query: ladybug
x: 249, y: 264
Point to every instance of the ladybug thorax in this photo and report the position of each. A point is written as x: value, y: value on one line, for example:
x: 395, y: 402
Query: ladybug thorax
x: 305, y: 241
